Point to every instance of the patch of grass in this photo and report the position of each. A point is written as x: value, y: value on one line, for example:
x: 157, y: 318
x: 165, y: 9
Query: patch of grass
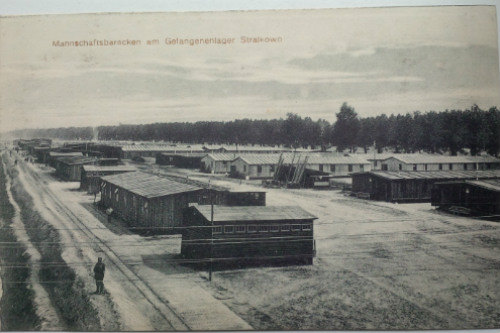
x: 18, y: 311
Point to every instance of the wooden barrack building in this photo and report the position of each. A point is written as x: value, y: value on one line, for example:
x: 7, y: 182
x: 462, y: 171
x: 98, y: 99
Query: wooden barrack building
x: 153, y: 204
x: 474, y: 197
x: 409, y: 186
x: 186, y: 161
x: 91, y: 175
x: 248, y: 234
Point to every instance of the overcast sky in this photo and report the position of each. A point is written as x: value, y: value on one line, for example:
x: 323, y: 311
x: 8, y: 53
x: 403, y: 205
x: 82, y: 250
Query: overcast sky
x: 379, y: 60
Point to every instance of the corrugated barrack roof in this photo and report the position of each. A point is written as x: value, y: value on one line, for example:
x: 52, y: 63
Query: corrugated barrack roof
x: 76, y: 160
x: 312, y: 158
x: 223, y: 156
x: 490, y: 184
x: 430, y: 159
x: 394, y: 175
x: 96, y: 168
x: 184, y: 154
x: 163, y: 148
x: 254, y: 213
x: 62, y: 154
x: 260, y: 158
x: 148, y: 186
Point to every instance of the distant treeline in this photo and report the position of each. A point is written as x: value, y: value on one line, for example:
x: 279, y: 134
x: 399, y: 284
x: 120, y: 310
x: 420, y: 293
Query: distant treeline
x: 448, y: 131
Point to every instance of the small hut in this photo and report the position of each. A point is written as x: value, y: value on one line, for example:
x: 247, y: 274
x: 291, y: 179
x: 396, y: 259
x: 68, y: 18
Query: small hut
x: 70, y: 168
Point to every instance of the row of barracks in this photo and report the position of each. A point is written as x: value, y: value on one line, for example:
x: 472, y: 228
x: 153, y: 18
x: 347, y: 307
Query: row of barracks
x: 264, y: 166
x: 214, y: 223
x: 148, y: 150
x: 44, y: 151
x: 467, y: 184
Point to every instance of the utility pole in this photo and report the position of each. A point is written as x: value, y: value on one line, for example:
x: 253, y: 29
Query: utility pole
x: 212, y: 229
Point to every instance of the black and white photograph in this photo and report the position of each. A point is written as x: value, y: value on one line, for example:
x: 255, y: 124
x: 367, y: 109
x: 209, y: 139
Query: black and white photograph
x: 251, y: 170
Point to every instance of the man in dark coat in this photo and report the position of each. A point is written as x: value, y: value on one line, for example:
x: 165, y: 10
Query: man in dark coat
x: 99, y: 269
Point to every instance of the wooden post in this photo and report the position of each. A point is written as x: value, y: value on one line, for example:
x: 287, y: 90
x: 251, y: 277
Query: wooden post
x: 211, y: 238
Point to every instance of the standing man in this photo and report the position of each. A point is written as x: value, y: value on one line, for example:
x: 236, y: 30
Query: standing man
x: 99, y: 269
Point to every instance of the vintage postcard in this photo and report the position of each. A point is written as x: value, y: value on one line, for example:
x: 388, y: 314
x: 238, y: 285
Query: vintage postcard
x: 323, y: 169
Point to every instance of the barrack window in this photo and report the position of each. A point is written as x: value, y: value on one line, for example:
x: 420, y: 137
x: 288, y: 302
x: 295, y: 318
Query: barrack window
x: 274, y: 228
x: 240, y: 228
x: 263, y: 228
x: 285, y: 227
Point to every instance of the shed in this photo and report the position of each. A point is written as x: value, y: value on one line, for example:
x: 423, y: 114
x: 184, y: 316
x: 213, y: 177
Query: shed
x: 246, y: 234
x: 478, y: 197
x: 91, y: 174
x: 55, y: 155
x: 108, y: 151
x: 218, y: 163
x: 409, y: 186
x: 147, y: 202
x: 255, y: 166
x: 70, y: 168
x: 186, y: 160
